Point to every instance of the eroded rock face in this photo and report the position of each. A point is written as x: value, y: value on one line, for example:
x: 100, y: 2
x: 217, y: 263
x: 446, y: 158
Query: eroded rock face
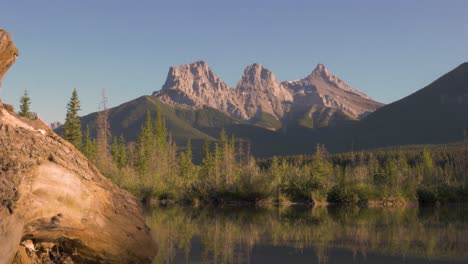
x: 8, y: 53
x: 261, y: 92
x: 56, y: 206
x: 322, y: 88
x: 195, y: 85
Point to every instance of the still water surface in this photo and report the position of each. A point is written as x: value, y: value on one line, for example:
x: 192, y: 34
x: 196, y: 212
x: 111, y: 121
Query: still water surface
x: 306, y: 235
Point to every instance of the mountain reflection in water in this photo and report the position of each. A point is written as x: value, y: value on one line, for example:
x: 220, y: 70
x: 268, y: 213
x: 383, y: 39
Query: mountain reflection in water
x: 306, y: 235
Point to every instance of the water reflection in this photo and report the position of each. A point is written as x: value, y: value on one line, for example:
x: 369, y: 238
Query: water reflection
x: 305, y: 235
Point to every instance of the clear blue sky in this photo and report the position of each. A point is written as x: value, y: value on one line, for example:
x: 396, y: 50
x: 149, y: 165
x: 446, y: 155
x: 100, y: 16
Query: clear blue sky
x: 387, y: 49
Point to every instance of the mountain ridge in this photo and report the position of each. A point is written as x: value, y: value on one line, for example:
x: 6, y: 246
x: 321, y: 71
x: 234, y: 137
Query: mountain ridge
x: 437, y: 113
x: 258, y: 92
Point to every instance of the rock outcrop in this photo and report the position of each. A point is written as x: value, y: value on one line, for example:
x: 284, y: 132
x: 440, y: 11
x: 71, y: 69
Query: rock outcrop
x: 322, y: 88
x: 195, y: 85
x: 8, y: 53
x: 55, y: 205
x: 259, y: 92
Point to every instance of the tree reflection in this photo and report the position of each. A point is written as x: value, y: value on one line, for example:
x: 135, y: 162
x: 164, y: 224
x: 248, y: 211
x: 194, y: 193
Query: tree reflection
x: 229, y: 234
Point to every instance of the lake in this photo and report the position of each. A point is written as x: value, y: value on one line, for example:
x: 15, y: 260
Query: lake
x: 310, y: 235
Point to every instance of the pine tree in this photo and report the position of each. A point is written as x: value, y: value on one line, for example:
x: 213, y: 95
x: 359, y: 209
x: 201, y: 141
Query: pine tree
x: 161, y: 132
x: 123, y: 152
x: 25, y: 104
x: 207, y: 167
x: 72, y: 126
x: 275, y: 174
x: 186, y: 166
x: 115, y: 151
x: 89, y: 148
x: 119, y: 152
x: 144, y: 145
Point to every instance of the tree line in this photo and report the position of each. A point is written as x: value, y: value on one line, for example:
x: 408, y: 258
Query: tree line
x: 153, y: 168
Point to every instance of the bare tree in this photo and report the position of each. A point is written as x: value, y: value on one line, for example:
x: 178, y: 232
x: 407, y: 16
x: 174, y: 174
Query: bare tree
x: 103, y: 133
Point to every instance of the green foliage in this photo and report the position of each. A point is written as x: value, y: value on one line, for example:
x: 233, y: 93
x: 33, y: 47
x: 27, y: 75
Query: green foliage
x: 89, y: 147
x: 25, y: 105
x: 119, y: 152
x: 266, y: 120
x: 72, y: 126
x: 340, y: 194
x: 151, y: 168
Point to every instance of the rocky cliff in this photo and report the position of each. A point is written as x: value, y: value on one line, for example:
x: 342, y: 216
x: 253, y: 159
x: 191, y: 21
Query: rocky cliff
x: 259, y: 92
x: 55, y: 206
x: 195, y: 85
x: 8, y: 53
x: 322, y: 88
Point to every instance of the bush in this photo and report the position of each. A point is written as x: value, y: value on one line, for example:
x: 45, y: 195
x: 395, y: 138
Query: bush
x: 426, y: 195
x: 339, y: 194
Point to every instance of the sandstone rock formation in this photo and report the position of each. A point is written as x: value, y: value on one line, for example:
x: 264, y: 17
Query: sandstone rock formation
x: 8, y: 53
x: 195, y: 85
x: 55, y: 205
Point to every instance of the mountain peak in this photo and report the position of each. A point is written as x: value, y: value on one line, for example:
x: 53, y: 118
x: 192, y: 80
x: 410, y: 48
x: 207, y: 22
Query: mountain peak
x: 195, y: 85
x: 321, y: 87
x: 320, y: 68
x: 199, y: 63
x: 256, y: 72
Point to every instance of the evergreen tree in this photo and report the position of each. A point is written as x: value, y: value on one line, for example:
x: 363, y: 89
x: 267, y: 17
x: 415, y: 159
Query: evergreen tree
x: 25, y: 104
x: 89, y: 148
x: 275, y: 174
x: 72, y: 126
x: 119, y: 152
x: 186, y: 166
x: 123, y: 152
x: 115, y: 152
x: 144, y: 145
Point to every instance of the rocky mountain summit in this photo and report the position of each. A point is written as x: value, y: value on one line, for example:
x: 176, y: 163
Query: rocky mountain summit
x: 259, y: 92
x: 55, y: 206
x: 196, y: 85
x: 322, y: 88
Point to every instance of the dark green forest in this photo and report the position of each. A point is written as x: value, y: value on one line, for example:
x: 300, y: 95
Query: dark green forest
x: 152, y: 168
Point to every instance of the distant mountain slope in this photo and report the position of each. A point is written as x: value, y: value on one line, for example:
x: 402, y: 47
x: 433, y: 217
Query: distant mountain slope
x: 128, y: 118
x: 437, y: 113
x: 182, y: 123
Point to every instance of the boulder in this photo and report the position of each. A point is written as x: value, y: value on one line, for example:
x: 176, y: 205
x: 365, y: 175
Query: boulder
x: 55, y: 206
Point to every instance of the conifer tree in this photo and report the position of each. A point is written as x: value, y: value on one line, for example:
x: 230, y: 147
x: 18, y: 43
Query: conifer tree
x: 89, y: 148
x: 122, y: 152
x: 144, y: 145
x: 119, y: 152
x: 72, y: 126
x: 25, y: 104
x: 207, y: 167
x: 115, y: 152
x: 186, y: 166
